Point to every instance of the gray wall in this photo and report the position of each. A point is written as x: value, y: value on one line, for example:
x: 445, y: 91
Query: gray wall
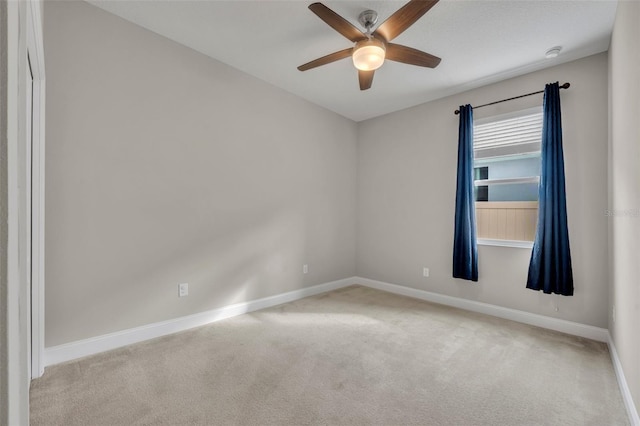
x: 406, y: 196
x: 3, y: 215
x: 624, y: 192
x: 165, y: 166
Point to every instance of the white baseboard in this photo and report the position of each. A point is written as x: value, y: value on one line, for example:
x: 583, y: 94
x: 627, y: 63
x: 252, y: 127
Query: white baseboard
x: 106, y: 342
x: 569, y: 327
x: 94, y: 345
x: 632, y: 411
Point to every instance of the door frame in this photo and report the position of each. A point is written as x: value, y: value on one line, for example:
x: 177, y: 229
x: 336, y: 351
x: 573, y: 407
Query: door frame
x: 24, y: 34
x: 35, y: 52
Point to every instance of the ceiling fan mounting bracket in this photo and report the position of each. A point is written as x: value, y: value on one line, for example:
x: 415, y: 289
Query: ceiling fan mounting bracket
x: 368, y: 19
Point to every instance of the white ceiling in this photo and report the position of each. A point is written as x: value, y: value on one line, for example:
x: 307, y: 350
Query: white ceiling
x: 479, y: 41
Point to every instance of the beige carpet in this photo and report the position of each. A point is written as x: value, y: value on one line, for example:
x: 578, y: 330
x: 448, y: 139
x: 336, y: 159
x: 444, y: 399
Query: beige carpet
x: 353, y: 356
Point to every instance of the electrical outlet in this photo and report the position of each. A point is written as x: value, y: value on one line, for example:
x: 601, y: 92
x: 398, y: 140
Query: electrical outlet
x: 305, y: 269
x: 183, y: 289
x: 425, y: 272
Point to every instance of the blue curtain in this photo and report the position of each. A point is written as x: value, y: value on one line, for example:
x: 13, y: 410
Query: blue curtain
x: 465, y: 249
x: 550, y: 266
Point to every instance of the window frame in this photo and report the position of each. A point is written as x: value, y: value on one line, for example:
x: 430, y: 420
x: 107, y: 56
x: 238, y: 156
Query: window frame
x: 478, y: 162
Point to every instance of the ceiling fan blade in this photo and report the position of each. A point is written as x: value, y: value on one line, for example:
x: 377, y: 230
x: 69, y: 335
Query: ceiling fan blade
x: 365, y: 78
x: 332, y: 57
x: 337, y: 22
x: 408, y: 55
x: 403, y: 18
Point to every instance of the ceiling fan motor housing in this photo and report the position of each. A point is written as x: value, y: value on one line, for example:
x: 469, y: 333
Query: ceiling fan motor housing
x: 368, y: 19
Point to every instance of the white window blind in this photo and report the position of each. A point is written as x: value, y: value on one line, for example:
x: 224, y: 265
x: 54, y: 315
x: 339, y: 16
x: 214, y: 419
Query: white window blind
x: 524, y: 129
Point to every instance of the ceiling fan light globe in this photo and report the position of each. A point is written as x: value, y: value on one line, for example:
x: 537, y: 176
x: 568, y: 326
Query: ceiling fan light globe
x: 368, y: 55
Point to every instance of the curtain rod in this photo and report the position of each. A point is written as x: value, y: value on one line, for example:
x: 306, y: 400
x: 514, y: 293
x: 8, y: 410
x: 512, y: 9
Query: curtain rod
x: 564, y: 86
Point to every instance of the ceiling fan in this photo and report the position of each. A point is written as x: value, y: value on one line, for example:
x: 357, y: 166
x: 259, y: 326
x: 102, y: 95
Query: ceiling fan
x: 373, y: 47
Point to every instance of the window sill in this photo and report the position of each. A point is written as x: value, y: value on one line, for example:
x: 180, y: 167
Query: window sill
x: 505, y: 243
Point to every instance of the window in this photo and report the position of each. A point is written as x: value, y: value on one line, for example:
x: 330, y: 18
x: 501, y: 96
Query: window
x: 507, y: 174
x: 481, y: 191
